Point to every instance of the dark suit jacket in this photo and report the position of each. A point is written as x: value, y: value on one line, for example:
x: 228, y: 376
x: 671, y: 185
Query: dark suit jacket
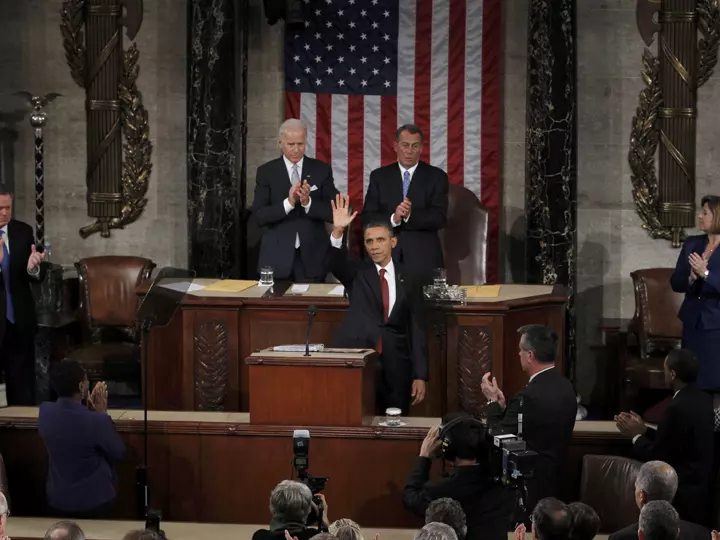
x: 22, y: 238
x: 702, y: 298
x: 418, y: 242
x: 488, y: 507
x: 404, y: 356
x: 549, y: 406
x: 685, y: 440
x: 688, y: 531
x: 277, y: 249
x: 82, y: 447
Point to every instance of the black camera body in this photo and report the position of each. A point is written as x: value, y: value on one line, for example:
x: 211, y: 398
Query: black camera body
x: 301, y: 462
x: 511, y: 462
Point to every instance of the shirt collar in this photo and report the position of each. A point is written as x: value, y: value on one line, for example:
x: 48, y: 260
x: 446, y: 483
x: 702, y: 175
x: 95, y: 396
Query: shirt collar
x: 411, y: 170
x: 389, y: 269
x: 289, y: 164
x: 4, y: 230
x: 539, y: 372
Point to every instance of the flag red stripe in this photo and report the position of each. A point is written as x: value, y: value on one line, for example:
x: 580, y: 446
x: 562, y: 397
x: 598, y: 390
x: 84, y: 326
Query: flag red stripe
x: 356, y: 164
x: 456, y: 94
x: 292, y: 105
x: 491, y: 138
x: 323, y: 127
x: 423, y: 66
x: 388, y: 127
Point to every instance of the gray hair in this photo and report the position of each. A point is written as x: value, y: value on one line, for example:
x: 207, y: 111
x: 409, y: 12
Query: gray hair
x: 659, y: 521
x: 658, y: 480
x: 541, y: 340
x: 4, y: 510
x: 436, y: 531
x: 291, y: 124
x: 65, y: 530
x: 290, y: 501
x: 450, y: 512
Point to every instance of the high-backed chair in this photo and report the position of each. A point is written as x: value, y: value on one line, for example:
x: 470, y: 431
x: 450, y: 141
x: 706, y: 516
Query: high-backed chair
x: 464, y: 239
x: 108, y: 303
x: 654, y: 330
x: 607, y: 484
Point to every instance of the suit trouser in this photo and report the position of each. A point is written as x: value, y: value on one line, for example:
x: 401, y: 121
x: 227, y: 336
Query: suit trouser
x: 393, y: 387
x: 298, y: 274
x: 17, y: 358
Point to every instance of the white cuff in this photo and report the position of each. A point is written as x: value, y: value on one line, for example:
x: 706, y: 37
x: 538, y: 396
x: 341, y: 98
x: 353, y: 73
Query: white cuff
x: 635, y: 438
x: 405, y: 219
x: 393, y: 221
x: 35, y: 271
x: 336, y: 242
x: 287, y: 205
x: 307, y: 207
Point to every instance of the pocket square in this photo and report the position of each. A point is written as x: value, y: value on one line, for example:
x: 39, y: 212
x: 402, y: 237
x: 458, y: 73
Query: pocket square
x: 313, y: 188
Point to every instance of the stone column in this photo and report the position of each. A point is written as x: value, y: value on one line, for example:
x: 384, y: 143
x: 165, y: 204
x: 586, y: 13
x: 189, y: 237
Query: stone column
x: 551, y: 152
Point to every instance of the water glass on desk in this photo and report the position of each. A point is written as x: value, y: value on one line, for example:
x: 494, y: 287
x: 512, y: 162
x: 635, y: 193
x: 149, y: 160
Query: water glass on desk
x: 266, y: 277
x: 439, y: 278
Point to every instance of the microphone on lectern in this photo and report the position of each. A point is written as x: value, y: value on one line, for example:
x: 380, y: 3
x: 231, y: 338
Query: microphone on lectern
x: 312, y: 311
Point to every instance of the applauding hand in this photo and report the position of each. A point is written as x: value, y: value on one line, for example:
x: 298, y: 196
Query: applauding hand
x: 35, y: 258
x: 98, y: 399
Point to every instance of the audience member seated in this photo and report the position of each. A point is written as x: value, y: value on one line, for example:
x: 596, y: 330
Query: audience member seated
x: 436, y: 531
x: 684, y: 437
x: 319, y: 536
x: 290, y: 506
x: 548, y: 405
x: 551, y: 520
x: 585, y: 521
x: 449, y: 512
x: 488, y: 506
x: 65, y: 530
x: 658, y: 521
x: 4, y: 513
x: 82, y: 445
x: 658, y: 481
x: 143, y: 534
x: 342, y: 523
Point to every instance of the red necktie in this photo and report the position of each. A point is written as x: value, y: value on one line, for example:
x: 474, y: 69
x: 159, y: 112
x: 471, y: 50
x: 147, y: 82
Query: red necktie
x: 385, y: 290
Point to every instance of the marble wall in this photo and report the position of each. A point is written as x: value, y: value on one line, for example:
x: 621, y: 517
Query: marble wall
x: 32, y: 58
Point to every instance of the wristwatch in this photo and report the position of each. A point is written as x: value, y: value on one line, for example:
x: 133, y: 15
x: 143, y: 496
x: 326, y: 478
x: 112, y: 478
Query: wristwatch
x: 706, y: 273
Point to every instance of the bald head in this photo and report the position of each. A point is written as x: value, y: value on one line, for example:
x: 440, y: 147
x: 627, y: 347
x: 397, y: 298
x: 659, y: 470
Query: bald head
x: 65, y: 530
x: 656, y: 481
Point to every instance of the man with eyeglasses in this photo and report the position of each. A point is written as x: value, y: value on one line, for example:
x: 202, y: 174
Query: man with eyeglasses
x: 414, y: 196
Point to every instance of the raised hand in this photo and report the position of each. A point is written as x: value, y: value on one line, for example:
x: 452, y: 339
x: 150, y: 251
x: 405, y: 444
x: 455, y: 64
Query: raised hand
x: 35, y: 258
x: 304, y: 193
x: 341, y: 212
x: 99, y: 397
x: 431, y: 442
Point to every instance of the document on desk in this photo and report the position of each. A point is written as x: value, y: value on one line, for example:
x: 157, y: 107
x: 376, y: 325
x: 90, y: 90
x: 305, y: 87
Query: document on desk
x: 298, y: 288
x: 231, y: 285
x: 337, y: 291
x: 182, y: 286
x: 314, y: 347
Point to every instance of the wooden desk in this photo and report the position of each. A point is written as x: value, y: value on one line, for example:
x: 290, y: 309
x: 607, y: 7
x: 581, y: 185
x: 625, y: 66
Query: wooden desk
x: 197, y: 362
x: 215, y: 467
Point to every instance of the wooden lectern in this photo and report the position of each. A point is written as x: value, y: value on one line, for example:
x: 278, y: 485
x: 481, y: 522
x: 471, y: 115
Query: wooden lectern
x: 334, y: 388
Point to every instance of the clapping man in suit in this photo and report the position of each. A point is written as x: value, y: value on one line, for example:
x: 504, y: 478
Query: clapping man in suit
x: 684, y: 438
x: 548, y: 406
x: 385, y: 310
x: 292, y: 204
x: 414, y: 197
x: 19, y: 266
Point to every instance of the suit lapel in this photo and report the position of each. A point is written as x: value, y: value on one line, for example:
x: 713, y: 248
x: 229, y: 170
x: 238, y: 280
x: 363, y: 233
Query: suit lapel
x: 396, y: 184
x: 307, y: 170
x: 400, y: 295
x: 372, y: 278
x: 15, y: 244
x: 416, y: 182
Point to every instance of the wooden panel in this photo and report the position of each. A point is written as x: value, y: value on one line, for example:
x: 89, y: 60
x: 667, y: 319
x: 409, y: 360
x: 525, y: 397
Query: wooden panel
x: 223, y: 472
x: 165, y: 353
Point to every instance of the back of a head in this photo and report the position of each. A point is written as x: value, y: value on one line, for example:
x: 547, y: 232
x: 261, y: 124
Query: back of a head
x: 348, y: 532
x: 291, y: 501
x: 142, y: 534
x: 66, y: 378
x: 449, y: 512
x: 685, y: 365
x: 585, y: 521
x: 551, y: 520
x: 324, y: 536
x: 436, y: 531
x: 467, y: 436
x: 542, y: 341
x: 658, y: 521
x: 342, y: 522
x: 658, y: 481
x: 65, y: 530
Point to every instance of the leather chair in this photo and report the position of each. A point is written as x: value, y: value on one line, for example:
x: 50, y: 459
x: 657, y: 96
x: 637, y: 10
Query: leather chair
x: 653, y: 331
x: 464, y: 239
x: 607, y: 484
x: 108, y: 304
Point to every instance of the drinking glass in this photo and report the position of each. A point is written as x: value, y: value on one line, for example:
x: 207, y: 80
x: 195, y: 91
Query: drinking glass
x: 266, y: 277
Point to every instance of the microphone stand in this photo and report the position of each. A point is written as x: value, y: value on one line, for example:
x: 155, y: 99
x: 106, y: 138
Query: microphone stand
x: 311, y: 313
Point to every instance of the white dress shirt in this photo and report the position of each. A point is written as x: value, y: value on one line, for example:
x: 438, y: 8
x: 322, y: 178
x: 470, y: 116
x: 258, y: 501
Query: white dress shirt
x: 411, y: 170
x: 286, y: 203
x: 389, y: 274
x: 539, y: 372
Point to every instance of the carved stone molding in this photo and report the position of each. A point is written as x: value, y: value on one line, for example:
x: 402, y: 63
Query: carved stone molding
x: 473, y: 361
x: 211, y: 358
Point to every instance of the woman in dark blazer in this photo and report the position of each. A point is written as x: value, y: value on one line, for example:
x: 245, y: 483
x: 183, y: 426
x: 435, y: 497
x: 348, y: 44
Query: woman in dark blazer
x: 697, y: 274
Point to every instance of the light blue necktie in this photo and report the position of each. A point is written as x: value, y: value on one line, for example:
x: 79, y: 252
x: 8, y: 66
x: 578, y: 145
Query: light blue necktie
x: 406, y: 183
x: 10, y: 312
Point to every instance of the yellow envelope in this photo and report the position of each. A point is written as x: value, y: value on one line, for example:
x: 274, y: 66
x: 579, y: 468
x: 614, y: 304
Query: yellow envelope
x: 482, y: 291
x: 231, y: 285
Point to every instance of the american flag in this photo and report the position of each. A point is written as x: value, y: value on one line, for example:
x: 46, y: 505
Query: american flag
x: 355, y: 70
